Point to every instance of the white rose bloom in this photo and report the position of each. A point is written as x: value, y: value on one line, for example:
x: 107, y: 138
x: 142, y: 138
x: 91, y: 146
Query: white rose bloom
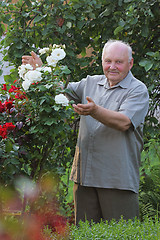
x: 51, y: 61
x: 33, y: 76
x: 39, y: 69
x: 47, y: 69
x: 58, y: 54
x: 44, y: 69
x: 43, y: 50
x: 61, y: 99
x: 26, y: 84
x: 23, y: 69
x: 56, y: 46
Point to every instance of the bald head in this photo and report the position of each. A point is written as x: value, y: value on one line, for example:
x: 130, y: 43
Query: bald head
x: 118, y: 43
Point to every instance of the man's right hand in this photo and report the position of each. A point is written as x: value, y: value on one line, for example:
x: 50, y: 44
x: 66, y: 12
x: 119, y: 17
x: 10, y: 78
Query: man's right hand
x: 33, y: 60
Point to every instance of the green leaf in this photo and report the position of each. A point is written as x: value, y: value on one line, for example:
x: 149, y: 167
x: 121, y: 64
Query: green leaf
x: 118, y: 29
x: 8, y: 145
x: 56, y: 108
x: 147, y: 64
x: 83, y: 53
x: 106, y: 12
x: 39, y: 18
x: 65, y: 70
x: 34, y: 129
x: 27, y: 169
x: 145, y: 31
x: 42, y: 88
x: 28, y: 3
x: 50, y: 121
x: 48, y: 109
x: 120, y: 3
x: 42, y: 101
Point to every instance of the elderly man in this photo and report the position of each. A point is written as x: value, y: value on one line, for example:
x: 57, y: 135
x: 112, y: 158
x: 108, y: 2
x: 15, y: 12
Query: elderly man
x: 113, y: 107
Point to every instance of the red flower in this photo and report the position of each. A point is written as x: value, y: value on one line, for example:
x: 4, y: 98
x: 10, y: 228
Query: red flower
x: 8, y: 104
x: 9, y: 126
x: 18, y: 95
x: 3, y: 132
x: 2, y: 107
x: 5, y: 128
x: 12, y: 89
x: 4, y: 87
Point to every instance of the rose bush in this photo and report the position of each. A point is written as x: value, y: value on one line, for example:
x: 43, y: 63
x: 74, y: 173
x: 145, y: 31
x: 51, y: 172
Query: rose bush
x: 36, y: 121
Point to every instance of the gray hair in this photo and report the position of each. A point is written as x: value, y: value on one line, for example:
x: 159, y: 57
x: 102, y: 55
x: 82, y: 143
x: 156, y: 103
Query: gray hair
x: 111, y: 41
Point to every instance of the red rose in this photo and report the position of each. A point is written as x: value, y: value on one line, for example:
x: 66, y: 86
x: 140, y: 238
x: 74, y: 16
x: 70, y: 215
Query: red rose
x: 8, y: 104
x: 4, y: 87
x: 12, y: 89
x: 20, y: 96
x: 9, y: 126
x: 2, y: 107
x: 3, y: 132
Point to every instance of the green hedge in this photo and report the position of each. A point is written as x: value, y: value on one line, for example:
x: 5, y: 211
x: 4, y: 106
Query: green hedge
x: 148, y: 229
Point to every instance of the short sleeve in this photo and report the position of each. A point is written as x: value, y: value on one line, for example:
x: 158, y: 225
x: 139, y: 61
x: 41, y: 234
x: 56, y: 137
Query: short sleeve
x: 76, y: 90
x: 135, y: 106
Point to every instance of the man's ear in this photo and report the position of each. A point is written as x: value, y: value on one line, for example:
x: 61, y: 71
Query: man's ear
x: 131, y: 64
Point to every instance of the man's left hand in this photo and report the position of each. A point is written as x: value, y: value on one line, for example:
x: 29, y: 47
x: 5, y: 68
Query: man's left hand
x: 85, y: 109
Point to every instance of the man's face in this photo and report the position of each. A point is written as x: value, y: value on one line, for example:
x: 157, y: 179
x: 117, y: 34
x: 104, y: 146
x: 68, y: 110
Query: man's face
x: 115, y: 63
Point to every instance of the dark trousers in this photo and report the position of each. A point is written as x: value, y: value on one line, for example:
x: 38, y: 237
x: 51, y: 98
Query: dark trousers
x: 104, y: 204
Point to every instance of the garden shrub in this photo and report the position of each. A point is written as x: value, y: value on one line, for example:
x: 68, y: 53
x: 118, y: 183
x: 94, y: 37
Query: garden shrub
x: 122, y: 230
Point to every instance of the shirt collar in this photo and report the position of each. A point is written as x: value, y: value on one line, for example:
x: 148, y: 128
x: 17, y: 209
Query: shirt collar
x: 123, y: 84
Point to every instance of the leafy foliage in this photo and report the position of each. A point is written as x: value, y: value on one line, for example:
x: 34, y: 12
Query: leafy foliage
x: 85, y: 25
x: 150, y: 179
x: 117, y: 230
x: 36, y: 129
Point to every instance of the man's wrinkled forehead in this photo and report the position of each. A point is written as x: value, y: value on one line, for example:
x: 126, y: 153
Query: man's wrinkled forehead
x: 119, y: 50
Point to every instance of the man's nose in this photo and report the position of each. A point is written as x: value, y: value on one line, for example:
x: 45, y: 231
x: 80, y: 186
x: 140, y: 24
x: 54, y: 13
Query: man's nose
x: 112, y: 65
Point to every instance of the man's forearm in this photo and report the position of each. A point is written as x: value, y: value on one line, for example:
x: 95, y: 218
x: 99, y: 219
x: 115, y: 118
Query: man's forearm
x: 111, y: 118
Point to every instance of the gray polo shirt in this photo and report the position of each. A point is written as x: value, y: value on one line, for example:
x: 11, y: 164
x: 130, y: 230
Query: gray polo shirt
x: 106, y: 157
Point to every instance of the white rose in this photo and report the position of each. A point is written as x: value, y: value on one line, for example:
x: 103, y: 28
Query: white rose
x: 26, y: 84
x: 44, y: 69
x: 56, y: 46
x: 33, y: 76
x: 39, y: 69
x: 47, y: 69
x: 43, y: 50
x: 61, y: 99
x: 23, y: 69
x: 51, y: 61
x: 58, y: 54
